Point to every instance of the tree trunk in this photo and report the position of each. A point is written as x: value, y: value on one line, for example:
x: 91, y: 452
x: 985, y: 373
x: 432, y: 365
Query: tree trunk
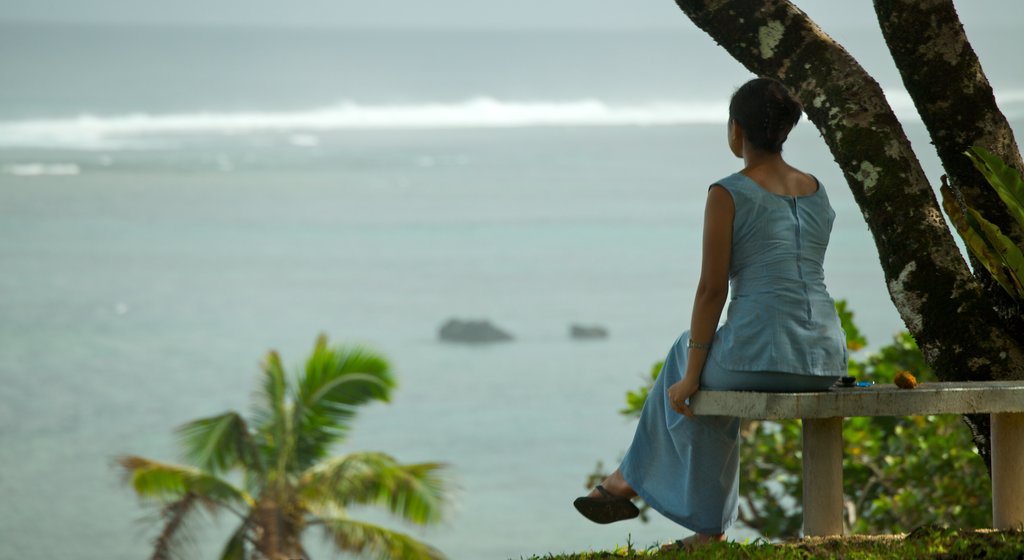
x: 943, y: 76
x: 268, y: 533
x: 945, y: 79
x: 278, y: 536
x: 940, y: 302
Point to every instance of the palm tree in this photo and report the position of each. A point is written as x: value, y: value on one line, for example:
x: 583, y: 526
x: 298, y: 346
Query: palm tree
x: 288, y: 481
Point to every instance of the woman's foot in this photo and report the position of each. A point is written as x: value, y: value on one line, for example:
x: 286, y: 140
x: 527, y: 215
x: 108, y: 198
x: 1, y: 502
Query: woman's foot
x: 695, y: 540
x: 609, y: 501
x: 616, y: 485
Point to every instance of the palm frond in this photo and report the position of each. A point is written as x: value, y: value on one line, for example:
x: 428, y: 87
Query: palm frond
x: 273, y: 423
x: 344, y: 376
x: 377, y: 542
x: 168, y: 483
x: 1006, y: 181
x: 415, y: 492
x: 218, y: 443
x: 174, y: 538
x: 271, y: 399
x: 336, y: 380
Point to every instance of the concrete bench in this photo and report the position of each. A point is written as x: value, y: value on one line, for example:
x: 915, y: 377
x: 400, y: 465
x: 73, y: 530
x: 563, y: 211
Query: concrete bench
x: 822, y: 417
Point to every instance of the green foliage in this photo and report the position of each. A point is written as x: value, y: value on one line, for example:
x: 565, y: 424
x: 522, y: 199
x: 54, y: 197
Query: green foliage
x: 854, y: 339
x: 336, y: 381
x: 929, y: 542
x: 376, y: 479
x: 290, y: 482
x: 163, y: 483
x: 899, y: 473
x: 1003, y: 259
x: 635, y: 399
x: 1003, y: 178
x: 218, y: 443
x: 371, y: 540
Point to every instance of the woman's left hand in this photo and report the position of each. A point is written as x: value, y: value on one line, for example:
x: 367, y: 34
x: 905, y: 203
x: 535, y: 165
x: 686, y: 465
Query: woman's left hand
x: 679, y: 392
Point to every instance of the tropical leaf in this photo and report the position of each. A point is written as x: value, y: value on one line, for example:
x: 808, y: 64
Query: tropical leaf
x: 344, y: 377
x: 416, y: 492
x: 167, y: 483
x: 1003, y: 178
x: 276, y: 438
x: 335, y: 382
x: 1009, y: 255
x: 377, y: 542
x: 218, y: 443
x: 971, y: 232
x: 271, y: 400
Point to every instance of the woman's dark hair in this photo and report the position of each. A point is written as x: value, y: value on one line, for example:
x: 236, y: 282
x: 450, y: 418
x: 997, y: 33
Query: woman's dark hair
x: 766, y: 112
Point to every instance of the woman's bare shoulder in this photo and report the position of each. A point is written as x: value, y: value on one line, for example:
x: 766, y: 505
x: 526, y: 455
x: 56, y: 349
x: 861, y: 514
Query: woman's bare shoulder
x: 788, y: 182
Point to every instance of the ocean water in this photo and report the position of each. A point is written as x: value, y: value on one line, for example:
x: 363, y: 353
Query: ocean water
x: 175, y: 202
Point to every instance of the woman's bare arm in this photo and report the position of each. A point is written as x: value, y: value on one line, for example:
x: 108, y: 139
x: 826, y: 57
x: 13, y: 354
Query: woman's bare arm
x: 713, y: 287
x: 712, y: 291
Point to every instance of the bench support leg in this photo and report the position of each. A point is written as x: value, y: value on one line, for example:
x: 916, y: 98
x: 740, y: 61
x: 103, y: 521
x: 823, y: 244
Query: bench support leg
x: 823, y: 476
x: 1007, y: 473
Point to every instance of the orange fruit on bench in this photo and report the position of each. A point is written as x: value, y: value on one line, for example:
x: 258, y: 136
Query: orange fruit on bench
x: 905, y: 380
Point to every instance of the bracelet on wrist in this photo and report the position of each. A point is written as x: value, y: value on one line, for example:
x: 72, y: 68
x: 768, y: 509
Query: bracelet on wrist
x: 698, y: 345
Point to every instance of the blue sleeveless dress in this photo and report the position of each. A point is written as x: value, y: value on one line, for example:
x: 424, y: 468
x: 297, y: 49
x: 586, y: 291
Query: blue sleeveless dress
x: 781, y: 333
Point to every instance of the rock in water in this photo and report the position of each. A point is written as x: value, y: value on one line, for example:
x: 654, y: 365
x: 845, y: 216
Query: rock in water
x: 587, y: 332
x: 473, y: 332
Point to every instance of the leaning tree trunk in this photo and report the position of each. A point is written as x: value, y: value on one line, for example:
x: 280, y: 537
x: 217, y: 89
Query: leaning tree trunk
x: 945, y: 79
x: 955, y: 100
x: 940, y: 302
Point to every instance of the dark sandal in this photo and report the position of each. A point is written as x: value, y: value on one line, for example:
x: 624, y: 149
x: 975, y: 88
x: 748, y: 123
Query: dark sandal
x: 607, y: 508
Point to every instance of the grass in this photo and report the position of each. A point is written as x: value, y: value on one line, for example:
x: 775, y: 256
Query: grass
x: 927, y: 542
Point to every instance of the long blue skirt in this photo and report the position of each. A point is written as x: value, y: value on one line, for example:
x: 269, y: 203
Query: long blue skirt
x: 687, y: 469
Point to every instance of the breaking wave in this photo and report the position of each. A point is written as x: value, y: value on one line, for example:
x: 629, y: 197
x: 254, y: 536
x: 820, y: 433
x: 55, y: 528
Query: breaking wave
x: 122, y: 131
x: 142, y: 130
x: 41, y: 169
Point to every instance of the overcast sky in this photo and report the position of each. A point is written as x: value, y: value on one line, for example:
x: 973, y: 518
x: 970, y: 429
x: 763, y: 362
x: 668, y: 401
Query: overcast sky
x: 441, y: 13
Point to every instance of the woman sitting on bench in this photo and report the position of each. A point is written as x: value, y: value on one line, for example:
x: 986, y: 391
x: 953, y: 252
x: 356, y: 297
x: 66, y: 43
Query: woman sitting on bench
x: 766, y: 229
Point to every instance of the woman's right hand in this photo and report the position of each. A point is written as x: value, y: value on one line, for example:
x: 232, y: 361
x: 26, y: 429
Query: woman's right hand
x: 679, y: 392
